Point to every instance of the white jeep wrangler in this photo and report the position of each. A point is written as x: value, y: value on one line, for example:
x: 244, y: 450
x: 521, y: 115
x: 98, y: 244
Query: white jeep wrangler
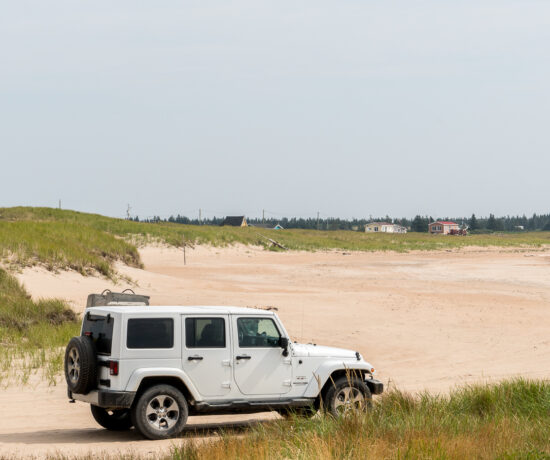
x: 151, y: 367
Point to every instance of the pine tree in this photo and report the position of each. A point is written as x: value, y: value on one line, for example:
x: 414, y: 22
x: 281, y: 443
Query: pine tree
x: 492, y: 222
x: 419, y: 224
x: 473, y: 222
x: 533, y: 222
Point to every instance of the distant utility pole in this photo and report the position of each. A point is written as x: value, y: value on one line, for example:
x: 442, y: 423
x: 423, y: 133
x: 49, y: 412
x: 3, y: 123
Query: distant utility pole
x: 263, y: 216
x: 128, y: 211
x: 317, y: 220
x: 200, y: 216
x: 183, y: 242
x: 59, y: 204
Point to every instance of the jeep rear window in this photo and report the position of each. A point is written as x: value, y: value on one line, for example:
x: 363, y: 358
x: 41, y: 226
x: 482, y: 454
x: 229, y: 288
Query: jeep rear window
x: 100, y: 330
x: 150, y: 333
x: 204, y: 333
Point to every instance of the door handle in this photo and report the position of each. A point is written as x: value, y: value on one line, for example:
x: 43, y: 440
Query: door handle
x: 195, y: 358
x: 243, y: 357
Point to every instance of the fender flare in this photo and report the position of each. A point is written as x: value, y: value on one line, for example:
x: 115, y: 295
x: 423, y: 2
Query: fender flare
x: 325, y: 370
x: 139, y: 374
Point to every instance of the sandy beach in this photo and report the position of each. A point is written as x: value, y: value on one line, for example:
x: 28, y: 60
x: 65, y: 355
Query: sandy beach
x: 425, y: 320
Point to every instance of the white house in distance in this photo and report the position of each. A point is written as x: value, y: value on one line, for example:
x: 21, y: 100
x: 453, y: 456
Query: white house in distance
x: 384, y: 227
x: 268, y: 226
x: 443, y: 227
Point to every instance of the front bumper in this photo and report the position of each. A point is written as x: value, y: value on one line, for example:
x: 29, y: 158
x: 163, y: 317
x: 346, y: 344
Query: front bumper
x: 376, y: 387
x: 105, y: 398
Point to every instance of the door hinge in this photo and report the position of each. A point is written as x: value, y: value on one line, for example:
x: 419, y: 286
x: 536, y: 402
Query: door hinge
x: 226, y: 384
x: 287, y: 361
x: 226, y: 362
x: 287, y: 383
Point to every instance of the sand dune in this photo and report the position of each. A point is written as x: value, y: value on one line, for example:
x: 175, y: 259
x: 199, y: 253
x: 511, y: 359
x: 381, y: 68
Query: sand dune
x: 424, y: 320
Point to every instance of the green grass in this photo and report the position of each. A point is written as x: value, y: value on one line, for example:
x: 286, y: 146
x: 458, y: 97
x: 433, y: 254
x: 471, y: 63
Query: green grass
x: 32, y: 334
x: 508, y: 420
x: 63, y: 245
x: 107, y: 239
x: 313, y: 240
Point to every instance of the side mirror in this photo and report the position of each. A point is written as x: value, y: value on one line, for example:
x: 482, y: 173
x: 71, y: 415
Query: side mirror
x: 283, y: 343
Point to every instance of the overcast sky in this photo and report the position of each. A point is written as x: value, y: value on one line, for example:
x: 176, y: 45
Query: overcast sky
x: 350, y: 108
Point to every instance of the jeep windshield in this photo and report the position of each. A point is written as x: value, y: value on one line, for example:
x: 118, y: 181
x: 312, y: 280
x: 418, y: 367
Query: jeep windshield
x: 100, y: 329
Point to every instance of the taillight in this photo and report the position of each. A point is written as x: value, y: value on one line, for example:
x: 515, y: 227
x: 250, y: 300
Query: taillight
x: 113, y: 367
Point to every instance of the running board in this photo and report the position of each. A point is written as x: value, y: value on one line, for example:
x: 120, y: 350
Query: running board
x: 243, y: 406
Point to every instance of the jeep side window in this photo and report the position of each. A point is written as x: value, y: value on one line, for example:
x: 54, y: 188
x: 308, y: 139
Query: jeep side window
x: 204, y: 332
x: 257, y: 332
x: 150, y: 333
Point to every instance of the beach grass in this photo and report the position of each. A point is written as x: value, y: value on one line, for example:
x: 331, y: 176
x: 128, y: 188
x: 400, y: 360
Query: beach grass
x: 507, y: 420
x: 33, y: 334
x: 63, y: 245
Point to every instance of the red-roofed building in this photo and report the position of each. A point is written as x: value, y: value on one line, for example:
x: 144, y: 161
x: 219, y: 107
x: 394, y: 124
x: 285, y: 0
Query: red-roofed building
x: 443, y: 227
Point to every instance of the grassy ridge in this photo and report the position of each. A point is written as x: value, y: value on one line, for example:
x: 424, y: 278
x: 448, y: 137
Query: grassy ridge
x: 508, y: 420
x: 61, y: 239
x: 309, y: 240
x: 171, y: 234
x: 58, y: 244
x: 31, y: 332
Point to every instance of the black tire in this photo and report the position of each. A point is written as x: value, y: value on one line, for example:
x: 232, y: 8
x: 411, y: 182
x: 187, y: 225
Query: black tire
x: 154, y: 423
x: 80, y: 365
x: 346, y: 395
x: 114, y: 420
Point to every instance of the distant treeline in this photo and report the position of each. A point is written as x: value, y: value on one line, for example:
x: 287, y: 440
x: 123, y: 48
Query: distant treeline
x: 418, y: 224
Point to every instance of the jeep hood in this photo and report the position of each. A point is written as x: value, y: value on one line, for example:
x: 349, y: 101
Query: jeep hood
x: 300, y: 349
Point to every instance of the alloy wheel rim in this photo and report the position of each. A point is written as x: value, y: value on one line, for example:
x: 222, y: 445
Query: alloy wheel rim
x: 73, y: 366
x: 349, y: 399
x: 162, y: 412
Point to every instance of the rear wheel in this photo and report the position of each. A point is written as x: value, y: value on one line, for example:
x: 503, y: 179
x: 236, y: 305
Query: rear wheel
x: 114, y: 420
x: 347, y: 395
x: 160, y: 412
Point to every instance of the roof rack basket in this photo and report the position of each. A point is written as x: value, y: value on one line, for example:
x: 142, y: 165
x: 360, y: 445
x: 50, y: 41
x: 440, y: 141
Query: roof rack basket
x: 124, y: 298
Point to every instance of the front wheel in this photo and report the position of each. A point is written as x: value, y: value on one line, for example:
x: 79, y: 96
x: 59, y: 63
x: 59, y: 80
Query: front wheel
x: 160, y: 412
x: 347, y: 395
x: 114, y: 420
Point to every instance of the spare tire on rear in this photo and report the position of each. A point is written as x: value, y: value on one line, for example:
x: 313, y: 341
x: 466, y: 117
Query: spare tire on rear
x: 80, y: 365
